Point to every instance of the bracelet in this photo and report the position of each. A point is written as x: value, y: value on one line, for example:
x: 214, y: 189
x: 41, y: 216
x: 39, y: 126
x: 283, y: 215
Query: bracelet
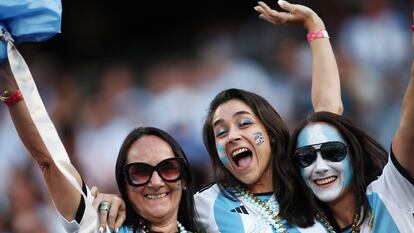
x: 11, y: 100
x: 316, y: 35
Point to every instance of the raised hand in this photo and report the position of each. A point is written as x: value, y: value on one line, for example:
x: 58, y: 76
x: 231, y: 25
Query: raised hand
x: 295, y: 14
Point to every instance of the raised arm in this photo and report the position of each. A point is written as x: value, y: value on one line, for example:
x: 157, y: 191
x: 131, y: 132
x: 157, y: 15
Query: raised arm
x: 403, y: 143
x: 65, y: 197
x: 326, y: 92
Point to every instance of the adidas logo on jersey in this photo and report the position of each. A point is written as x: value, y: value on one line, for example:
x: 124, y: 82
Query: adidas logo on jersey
x: 240, y: 210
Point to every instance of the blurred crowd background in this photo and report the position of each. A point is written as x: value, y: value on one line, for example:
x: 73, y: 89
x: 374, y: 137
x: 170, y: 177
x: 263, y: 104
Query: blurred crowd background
x: 118, y: 65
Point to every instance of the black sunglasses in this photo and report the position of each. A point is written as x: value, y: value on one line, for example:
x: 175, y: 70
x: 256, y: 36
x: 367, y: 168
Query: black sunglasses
x: 139, y: 174
x: 332, y: 151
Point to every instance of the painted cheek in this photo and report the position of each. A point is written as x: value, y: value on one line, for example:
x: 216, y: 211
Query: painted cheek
x: 222, y: 155
x: 305, y: 173
x: 258, y: 138
x: 347, y: 172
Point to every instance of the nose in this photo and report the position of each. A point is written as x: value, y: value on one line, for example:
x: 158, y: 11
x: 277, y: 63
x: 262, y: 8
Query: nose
x: 320, y: 164
x: 155, y: 180
x: 233, y: 136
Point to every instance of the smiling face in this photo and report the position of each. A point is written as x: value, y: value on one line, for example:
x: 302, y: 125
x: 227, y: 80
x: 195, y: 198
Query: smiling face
x: 158, y: 200
x: 328, y: 180
x: 243, y: 145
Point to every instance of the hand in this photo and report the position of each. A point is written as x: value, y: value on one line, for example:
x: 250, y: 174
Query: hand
x: 296, y: 14
x: 115, y: 216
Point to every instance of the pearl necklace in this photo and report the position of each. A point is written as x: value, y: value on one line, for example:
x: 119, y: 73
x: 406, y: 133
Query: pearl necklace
x: 180, y: 227
x: 269, y: 215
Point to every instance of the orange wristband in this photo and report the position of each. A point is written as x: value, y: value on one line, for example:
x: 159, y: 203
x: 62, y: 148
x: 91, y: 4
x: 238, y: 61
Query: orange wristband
x: 316, y: 35
x: 11, y: 100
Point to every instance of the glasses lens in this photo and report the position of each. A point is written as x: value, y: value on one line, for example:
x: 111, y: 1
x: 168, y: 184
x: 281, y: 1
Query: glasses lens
x: 170, y: 169
x: 333, y: 151
x: 139, y: 173
x: 305, y: 155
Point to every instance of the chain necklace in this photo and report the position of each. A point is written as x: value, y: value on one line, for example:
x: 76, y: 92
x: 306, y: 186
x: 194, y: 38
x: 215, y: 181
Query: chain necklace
x: 269, y: 215
x: 144, y: 227
x: 355, y: 228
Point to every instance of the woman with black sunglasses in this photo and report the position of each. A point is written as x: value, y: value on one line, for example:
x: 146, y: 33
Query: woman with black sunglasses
x: 355, y: 188
x: 152, y: 173
x: 247, y: 142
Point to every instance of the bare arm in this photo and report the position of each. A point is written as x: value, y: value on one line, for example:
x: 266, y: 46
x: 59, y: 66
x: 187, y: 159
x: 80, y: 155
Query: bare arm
x: 65, y: 197
x: 403, y: 143
x: 326, y: 91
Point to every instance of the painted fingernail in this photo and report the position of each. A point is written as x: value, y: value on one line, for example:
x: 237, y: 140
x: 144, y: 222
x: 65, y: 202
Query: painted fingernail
x: 101, y: 229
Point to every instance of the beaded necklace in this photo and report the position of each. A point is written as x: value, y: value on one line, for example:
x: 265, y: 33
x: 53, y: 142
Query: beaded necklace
x: 269, y: 214
x: 144, y: 227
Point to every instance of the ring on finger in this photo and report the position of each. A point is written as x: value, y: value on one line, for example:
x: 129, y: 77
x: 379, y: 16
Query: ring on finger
x: 105, y: 206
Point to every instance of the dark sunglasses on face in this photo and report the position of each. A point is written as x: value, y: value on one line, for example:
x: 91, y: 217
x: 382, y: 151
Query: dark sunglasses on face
x: 332, y: 151
x: 139, y: 174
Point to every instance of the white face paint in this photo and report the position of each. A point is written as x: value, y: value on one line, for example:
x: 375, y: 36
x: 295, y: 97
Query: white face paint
x: 327, y: 179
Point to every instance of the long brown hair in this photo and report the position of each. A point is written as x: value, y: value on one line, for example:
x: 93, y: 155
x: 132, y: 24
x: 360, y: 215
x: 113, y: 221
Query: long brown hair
x: 367, y: 157
x: 283, y: 180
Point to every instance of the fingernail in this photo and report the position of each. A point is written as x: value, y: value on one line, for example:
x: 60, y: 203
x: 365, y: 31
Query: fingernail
x: 256, y: 8
x: 280, y: 2
x: 101, y: 229
x: 261, y: 16
x: 116, y: 230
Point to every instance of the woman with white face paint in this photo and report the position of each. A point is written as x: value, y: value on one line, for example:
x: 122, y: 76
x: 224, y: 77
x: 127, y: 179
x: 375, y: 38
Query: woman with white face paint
x: 247, y: 142
x: 354, y: 188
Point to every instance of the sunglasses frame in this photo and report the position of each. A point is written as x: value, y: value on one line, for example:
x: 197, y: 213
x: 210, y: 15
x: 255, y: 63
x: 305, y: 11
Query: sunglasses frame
x: 312, y: 150
x: 152, y: 169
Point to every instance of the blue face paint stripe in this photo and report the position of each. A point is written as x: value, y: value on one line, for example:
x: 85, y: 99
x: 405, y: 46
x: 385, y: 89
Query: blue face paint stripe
x: 348, y: 171
x: 222, y: 154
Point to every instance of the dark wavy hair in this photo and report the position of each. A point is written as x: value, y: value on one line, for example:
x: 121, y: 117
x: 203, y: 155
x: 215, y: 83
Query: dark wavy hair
x: 367, y: 157
x: 186, y: 211
x: 283, y: 183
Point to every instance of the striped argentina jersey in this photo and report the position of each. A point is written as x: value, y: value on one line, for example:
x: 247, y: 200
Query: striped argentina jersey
x: 391, y: 198
x: 218, y: 213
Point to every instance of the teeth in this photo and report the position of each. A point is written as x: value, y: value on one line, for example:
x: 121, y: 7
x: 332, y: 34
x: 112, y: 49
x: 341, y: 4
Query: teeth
x: 152, y: 197
x: 241, y: 150
x: 326, y: 180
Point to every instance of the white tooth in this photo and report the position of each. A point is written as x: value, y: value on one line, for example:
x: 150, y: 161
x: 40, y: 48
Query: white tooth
x: 326, y: 181
x: 239, y: 151
x: 158, y: 196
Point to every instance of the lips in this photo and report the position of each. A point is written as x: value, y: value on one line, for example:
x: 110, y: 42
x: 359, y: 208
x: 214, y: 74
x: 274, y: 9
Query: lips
x: 325, y: 181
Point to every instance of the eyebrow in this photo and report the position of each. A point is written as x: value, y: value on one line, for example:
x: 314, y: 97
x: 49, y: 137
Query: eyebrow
x: 241, y: 112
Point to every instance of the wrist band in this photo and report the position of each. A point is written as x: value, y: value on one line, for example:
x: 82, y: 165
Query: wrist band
x: 412, y: 27
x: 316, y: 35
x: 11, y: 100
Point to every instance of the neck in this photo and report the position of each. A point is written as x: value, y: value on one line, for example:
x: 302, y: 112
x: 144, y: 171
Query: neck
x: 343, y: 209
x: 264, y: 184
x: 167, y: 227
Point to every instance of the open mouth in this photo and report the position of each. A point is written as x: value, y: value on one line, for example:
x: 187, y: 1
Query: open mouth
x: 242, y: 157
x: 155, y: 196
x: 325, y: 181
